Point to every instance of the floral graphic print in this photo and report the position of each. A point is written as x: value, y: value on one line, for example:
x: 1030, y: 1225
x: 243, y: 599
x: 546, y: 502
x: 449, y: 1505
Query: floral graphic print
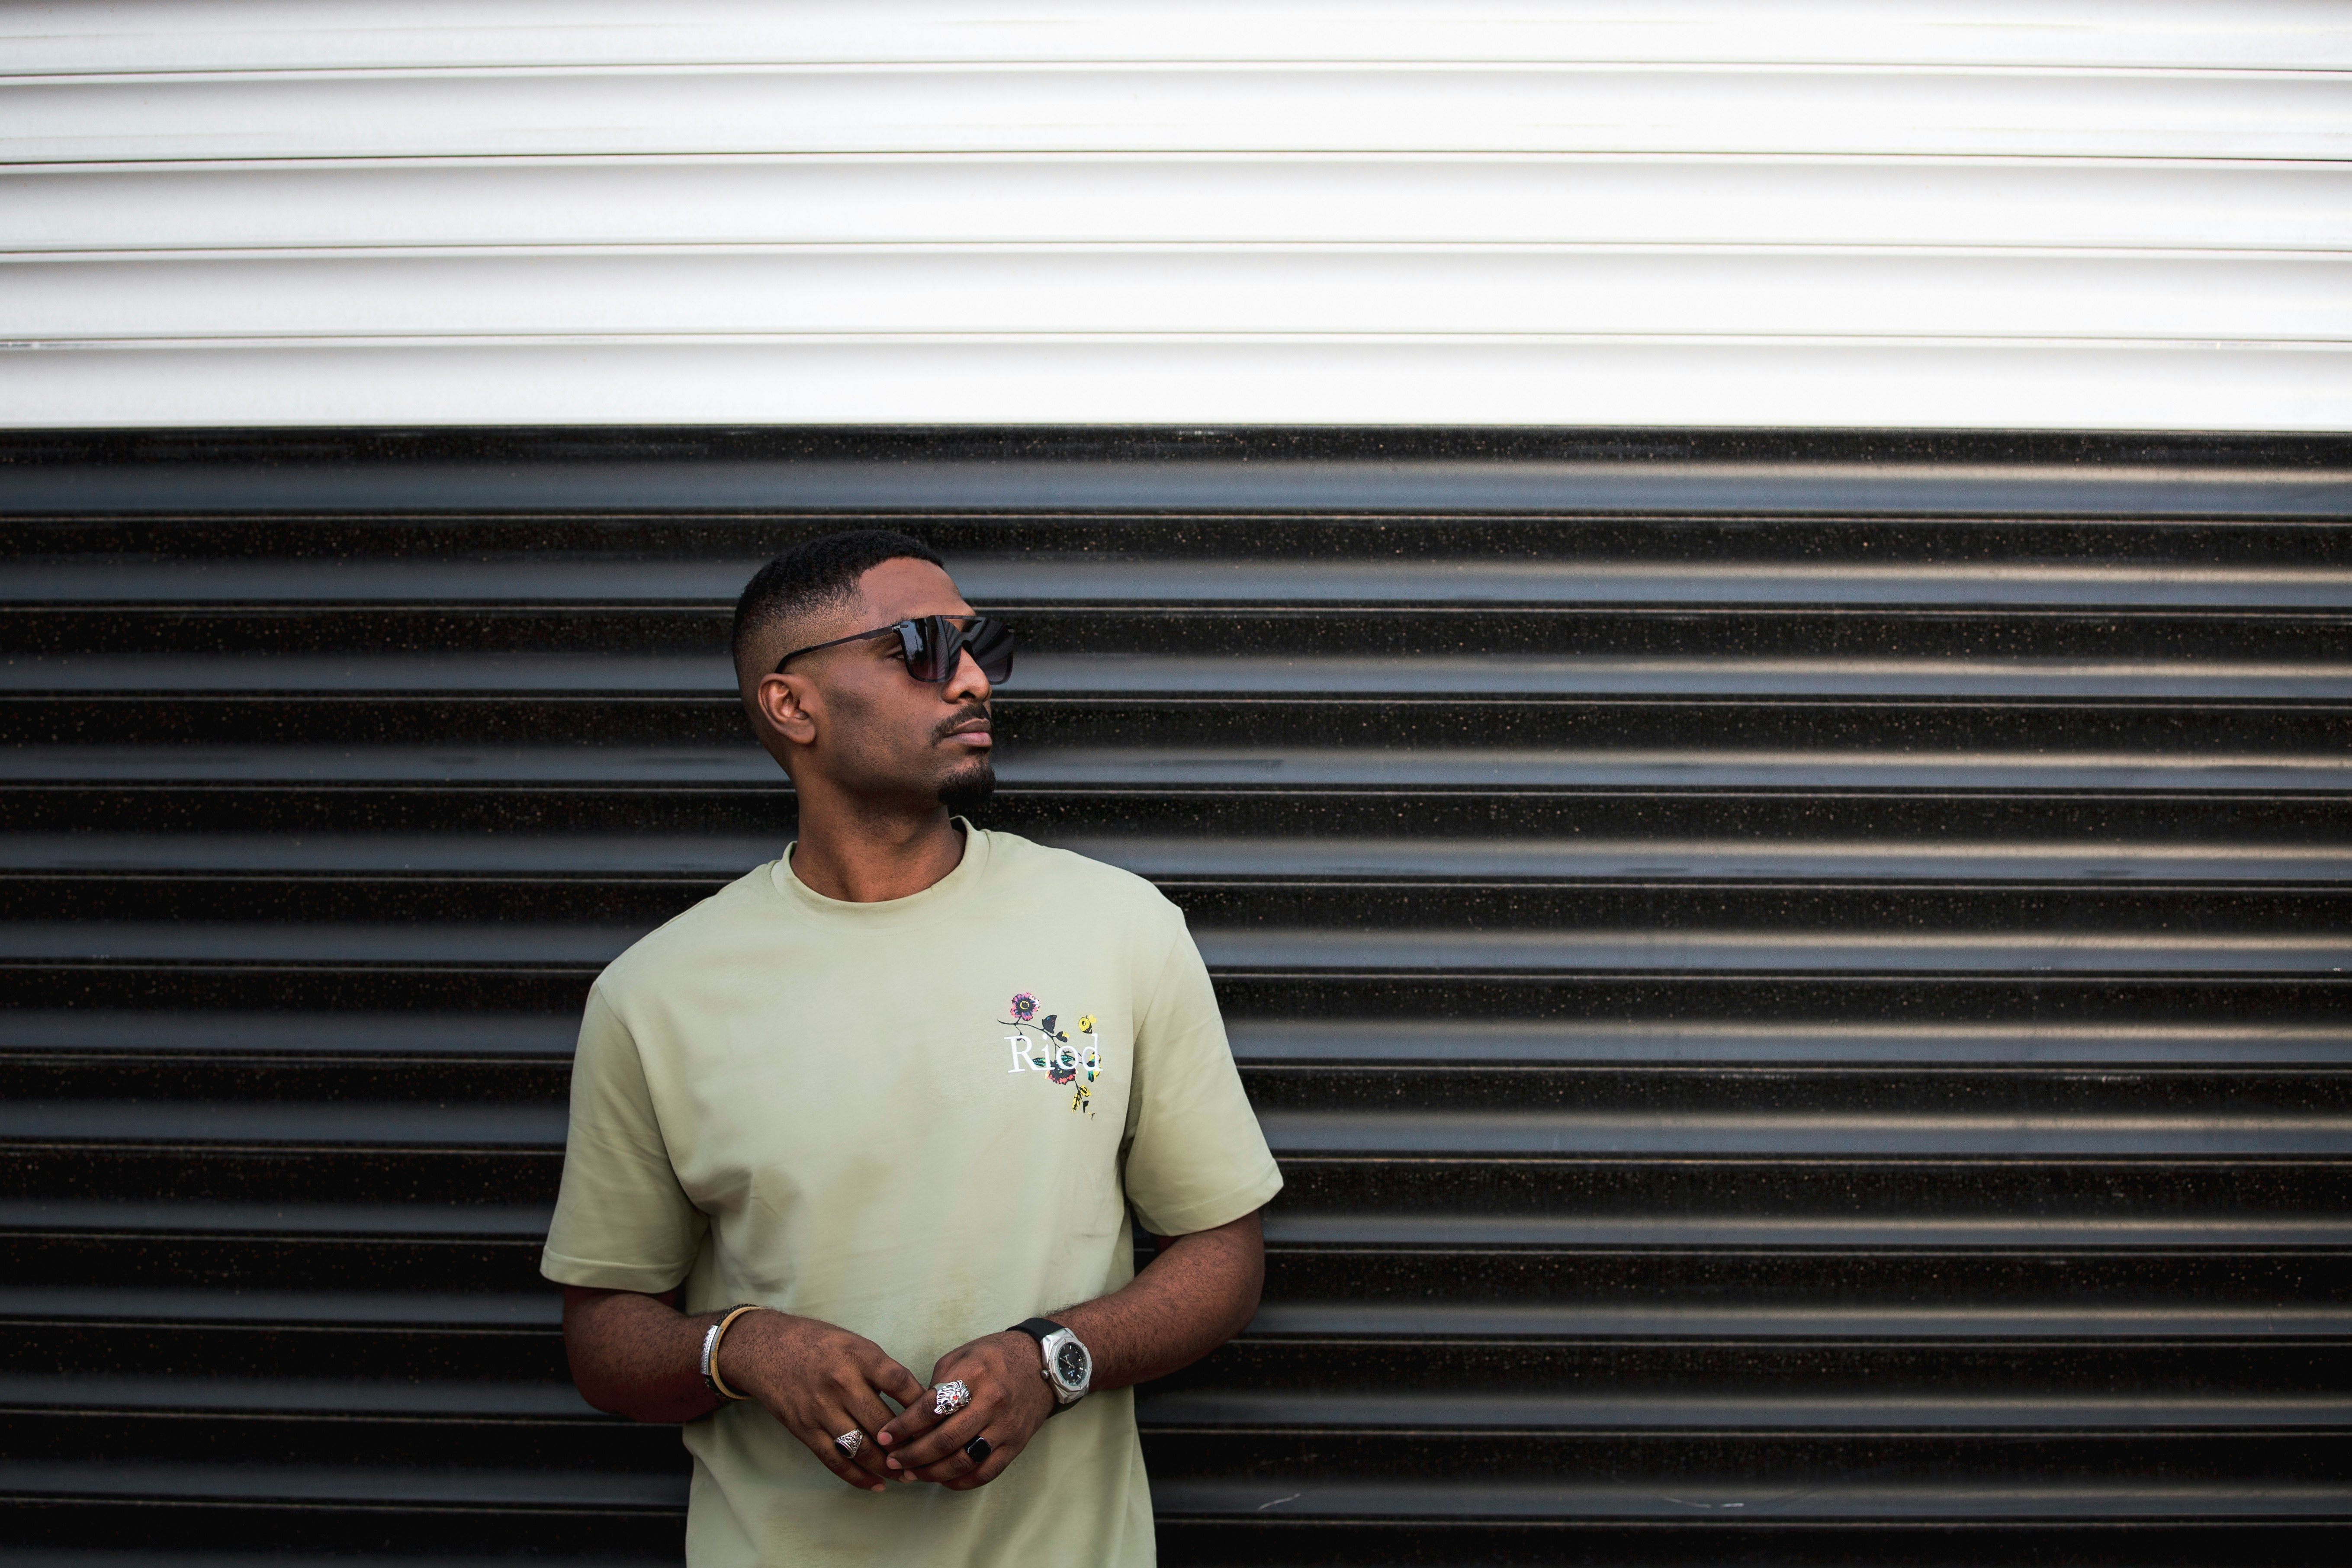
x: 1039, y: 1046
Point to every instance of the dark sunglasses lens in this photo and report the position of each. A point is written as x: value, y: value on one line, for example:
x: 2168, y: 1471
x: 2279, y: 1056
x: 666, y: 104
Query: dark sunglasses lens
x: 990, y: 642
x: 920, y: 642
x: 935, y: 644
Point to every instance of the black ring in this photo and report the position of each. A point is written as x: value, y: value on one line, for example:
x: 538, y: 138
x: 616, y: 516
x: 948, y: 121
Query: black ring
x: 978, y: 1451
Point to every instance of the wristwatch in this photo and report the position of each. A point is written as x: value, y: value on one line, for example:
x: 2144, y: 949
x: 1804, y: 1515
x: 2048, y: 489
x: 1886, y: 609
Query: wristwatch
x: 1069, y: 1369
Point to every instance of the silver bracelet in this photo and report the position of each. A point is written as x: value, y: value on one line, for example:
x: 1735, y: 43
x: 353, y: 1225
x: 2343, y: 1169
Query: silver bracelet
x: 710, y: 1337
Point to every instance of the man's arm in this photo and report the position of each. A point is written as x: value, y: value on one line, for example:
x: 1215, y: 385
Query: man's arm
x: 638, y: 1356
x: 1198, y: 1293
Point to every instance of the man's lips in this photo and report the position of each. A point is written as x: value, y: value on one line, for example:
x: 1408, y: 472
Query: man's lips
x: 971, y: 732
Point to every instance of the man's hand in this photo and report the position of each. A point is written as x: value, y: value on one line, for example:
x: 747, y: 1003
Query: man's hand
x: 1009, y: 1402
x: 819, y: 1382
x: 634, y: 1355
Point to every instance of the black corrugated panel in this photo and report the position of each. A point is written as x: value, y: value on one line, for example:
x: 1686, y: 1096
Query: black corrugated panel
x: 1799, y: 981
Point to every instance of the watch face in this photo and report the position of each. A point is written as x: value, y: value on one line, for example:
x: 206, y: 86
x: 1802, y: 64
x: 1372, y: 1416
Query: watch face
x: 1070, y: 1365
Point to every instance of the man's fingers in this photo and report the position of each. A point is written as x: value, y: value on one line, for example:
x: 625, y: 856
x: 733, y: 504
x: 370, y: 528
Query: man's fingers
x: 849, y: 1403
x: 917, y: 1418
x: 869, y: 1415
x: 982, y: 1474
x: 867, y: 1459
x: 896, y: 1380
x: 943, y: 1441
x: 959, y: 1471
x: 939, y: 1442
x: 839, y: 1427
x: 839, y: 1463
x: 908, y: 1425
x: 948, y: 1471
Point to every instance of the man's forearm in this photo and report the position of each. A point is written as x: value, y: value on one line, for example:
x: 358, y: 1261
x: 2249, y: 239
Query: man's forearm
x: 637, y: 1355
x: 1197, y: 1294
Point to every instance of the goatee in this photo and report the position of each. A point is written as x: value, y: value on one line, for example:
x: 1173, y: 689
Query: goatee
x: 967, y: 786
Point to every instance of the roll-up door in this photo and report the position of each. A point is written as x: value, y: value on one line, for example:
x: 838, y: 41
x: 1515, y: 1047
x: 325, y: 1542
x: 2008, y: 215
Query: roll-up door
x: 1797, y: 982
x: 1989, y: 214
x: 1794, y: 958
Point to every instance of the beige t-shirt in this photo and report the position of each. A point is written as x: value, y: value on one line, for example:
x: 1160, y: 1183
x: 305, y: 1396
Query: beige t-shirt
x: 922, y: 1120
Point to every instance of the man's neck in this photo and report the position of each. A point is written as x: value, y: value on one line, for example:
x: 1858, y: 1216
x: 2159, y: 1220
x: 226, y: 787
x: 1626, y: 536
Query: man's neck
x: 861, y: 858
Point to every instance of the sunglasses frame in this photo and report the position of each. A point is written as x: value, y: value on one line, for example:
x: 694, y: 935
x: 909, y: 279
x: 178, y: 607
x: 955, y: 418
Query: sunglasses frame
x: 963, y: 633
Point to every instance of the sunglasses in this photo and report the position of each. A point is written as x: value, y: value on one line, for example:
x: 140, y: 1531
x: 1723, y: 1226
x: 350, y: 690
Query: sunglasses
x: 932, y: 646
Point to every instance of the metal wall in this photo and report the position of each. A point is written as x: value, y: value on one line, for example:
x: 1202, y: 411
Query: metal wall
x: 1929, y: 214
x: 1797, y: 982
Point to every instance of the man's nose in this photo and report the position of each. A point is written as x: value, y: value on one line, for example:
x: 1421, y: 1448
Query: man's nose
x: 966, y: 684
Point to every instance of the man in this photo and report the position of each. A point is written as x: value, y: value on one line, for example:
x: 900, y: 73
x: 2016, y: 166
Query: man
x: 894, y: 1093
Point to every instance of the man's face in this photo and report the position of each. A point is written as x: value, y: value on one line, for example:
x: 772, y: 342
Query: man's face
x: 856, y: 717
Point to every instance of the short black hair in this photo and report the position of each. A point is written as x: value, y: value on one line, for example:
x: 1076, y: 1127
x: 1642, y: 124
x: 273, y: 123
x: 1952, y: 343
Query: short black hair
x: 818, y: 573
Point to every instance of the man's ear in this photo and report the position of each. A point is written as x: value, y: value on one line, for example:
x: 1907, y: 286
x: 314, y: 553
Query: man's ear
x: 784, y: 705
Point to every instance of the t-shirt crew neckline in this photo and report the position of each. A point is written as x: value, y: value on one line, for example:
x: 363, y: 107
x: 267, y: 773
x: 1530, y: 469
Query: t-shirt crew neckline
x: 941, y: 895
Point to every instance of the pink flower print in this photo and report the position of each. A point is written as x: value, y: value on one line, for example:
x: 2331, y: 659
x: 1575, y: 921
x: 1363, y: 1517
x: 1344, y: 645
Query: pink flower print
x: 1024, y: 1006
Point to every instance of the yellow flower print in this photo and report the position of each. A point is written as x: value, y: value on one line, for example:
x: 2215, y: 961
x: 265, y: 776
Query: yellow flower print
x: 1087, y: 1024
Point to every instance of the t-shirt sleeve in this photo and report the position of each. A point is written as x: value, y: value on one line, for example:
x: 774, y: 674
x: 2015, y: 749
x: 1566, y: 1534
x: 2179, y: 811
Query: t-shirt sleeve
x: 1195, y: 1157
x: 622, y: 1222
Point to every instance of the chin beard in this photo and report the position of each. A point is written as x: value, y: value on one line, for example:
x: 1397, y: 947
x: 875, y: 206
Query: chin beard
x: 967, y: 786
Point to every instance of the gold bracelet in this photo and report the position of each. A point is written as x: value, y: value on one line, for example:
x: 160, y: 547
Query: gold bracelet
x: 710, y: 1342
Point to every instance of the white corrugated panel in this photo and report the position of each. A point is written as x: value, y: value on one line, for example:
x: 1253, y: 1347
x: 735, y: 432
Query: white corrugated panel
x: 2070, y: 214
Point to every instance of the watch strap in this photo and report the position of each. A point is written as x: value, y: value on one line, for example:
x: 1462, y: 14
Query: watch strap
x: 1036, y: 1328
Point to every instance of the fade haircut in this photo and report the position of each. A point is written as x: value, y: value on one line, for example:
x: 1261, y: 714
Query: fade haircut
x: 818, y: 574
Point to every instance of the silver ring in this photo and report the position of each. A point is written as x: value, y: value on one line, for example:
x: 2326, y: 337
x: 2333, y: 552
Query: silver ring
x: 849, y: 1442
x: 949, y: 1397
